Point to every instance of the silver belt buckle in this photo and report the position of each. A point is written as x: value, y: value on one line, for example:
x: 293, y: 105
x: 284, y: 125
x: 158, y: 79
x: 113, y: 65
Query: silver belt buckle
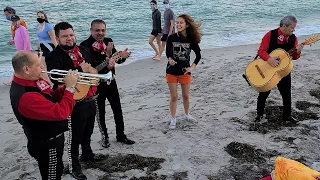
x: 108, y: 78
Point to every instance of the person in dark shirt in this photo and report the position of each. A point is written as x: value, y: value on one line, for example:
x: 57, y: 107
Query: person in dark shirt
x: 179, y: 46
x: 67, y: 55
x: 284, y: 38
x: 41, y: 111
x: 156, y: 29
x: 101, y: 49
x: 168, y: 27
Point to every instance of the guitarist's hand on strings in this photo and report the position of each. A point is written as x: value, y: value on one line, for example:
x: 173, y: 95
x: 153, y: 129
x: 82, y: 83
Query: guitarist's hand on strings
x: 71, y: 78
x: 111, y: 63
x: 85, y: 66
x: 273, y: 61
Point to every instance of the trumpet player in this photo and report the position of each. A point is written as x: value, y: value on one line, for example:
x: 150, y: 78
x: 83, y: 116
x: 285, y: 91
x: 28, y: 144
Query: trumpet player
x: 41, y: 111
x: 67, y: 55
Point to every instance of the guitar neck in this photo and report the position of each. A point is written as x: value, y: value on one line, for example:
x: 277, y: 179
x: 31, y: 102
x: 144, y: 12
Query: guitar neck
x: 106, y: 62
x: 293, y: 50
x: 102, y: 65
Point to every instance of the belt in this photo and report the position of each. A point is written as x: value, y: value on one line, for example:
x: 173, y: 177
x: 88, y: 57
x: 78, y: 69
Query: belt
x: 109, y: 80
x: 55, y: 137
x: 88, y: 99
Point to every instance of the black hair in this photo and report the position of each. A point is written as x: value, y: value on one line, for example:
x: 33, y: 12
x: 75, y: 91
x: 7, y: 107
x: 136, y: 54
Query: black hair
x: 61, y: 26
x: 9, y: 10
x: 153, y: 1
x: 97, y: 21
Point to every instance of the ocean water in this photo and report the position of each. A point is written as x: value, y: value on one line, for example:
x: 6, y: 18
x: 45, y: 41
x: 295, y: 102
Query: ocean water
x: 224, y: 22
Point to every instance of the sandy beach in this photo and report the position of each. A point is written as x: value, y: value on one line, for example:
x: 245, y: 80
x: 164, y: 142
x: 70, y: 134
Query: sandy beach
x: 224, y: 143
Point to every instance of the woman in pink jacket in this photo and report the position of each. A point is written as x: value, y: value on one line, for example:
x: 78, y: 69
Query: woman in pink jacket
x: 21, y: 38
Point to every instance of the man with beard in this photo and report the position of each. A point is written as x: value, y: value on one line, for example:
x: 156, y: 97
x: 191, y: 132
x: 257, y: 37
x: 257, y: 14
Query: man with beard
x: 102, y: 48
x: 67, y: 55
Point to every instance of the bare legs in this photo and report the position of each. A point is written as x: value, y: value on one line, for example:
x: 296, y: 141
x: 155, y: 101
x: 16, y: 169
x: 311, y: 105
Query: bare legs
x: 163, y: 45
x: 151, y: 39
x: 185, y: 97
x: 174, y: 97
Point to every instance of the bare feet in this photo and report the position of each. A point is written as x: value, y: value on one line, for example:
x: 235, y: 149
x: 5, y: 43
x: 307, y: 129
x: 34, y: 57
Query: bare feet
x: 157, y: 57
x: 7, y: 83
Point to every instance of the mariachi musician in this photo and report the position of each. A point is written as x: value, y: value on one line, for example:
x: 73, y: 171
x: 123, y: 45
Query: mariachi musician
x: 67, y: 55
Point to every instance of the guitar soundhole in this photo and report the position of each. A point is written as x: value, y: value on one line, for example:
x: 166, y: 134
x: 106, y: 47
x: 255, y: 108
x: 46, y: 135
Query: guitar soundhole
x: 260, y: 72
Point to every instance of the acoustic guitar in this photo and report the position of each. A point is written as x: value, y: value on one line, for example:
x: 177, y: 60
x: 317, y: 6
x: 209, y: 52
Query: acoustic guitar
x: 263, y: 77
x: 83, y: 89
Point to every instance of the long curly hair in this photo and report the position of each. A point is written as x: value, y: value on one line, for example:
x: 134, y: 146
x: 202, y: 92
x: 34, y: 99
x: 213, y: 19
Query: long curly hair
x: 193, y: 28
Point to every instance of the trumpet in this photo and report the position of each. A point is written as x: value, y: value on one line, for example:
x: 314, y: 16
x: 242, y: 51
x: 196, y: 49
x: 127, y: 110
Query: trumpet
x: 84, y: 78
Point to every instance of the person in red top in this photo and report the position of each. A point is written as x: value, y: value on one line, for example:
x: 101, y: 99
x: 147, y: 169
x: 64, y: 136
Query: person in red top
x: 67, y: 55
x: 41, y: 111
x: 283, y: 38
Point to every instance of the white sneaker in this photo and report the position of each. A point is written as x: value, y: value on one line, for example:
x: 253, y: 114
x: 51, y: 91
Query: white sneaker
x: 172, y: 124
x: 188, y: 117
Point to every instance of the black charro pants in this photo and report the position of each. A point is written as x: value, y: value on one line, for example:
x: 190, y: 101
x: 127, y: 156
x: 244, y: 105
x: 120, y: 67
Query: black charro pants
x: 49, y: 157
x: 82, y: 124
x: 111, y: 93
x: 284, y: 87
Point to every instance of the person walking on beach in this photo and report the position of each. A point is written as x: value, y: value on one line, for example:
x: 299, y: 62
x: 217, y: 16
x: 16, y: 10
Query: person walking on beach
x: 41, y: 111
x: 102, y: 47
x: 45, y: 33
x: 168, y: 28
x: 156, y: 29
x: 283, y: 38
x: 8, y: 13
x: 179, y: 46
x: 21, y: 37
x: 67, y: 55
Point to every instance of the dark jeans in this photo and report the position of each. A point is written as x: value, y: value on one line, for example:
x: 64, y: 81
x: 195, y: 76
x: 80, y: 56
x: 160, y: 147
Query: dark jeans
x: 284, y: 87
x: 49, y: 157
x: 45, y: 50
x: 82, y: 119
x: 111, y: 93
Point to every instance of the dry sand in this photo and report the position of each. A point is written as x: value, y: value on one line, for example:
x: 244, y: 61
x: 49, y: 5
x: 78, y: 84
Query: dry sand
x: 223, y: 144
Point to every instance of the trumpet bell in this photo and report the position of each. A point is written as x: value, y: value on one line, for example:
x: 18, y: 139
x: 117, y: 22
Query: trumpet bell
x: 84, y: 78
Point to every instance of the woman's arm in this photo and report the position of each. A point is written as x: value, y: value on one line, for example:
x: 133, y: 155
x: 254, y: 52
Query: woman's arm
x: 53, y: 37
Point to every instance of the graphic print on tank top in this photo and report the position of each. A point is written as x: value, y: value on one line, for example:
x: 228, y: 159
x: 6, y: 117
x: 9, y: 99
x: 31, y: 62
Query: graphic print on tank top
x: 181, y: 51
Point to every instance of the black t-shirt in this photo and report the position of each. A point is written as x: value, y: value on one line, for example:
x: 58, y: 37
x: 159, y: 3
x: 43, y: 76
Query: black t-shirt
x: 179, y: 50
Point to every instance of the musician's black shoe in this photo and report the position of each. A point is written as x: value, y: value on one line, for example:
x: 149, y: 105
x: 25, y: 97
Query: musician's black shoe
x: 105, y: 143
x: 258, y: 118
x: 125, y: 140
x: 290, y: 120
x: 95, y: 157
x: 78, y: 175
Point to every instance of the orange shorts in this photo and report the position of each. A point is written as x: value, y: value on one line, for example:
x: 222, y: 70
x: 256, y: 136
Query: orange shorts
x: 182, y: 79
